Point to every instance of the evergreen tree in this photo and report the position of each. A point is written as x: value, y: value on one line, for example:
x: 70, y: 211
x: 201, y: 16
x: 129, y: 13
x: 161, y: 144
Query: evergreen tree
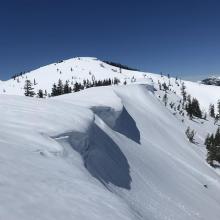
x: 40, y: 93
x: 190, y: 134
x: 212, y: 111
x: 189, y: 107
x: 165, y: 99
x: 67, y: 88
x: 116, y: 81
x: 217, y: 137
x: 77, y: 87
x: 218, y: 107
x: 28, y: 89
x: 193, y: 108
x: 213, y: 147
x: 183, y: 91
x: 211, y: 155
x: 60, y: 87
x: 165, y: 87
x: 54, y: 90
x: 196, y: 108
x: 207, y: 141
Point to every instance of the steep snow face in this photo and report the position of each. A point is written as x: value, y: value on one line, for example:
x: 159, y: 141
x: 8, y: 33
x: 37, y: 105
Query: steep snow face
x: 41, y: 179
x: 108, y: 152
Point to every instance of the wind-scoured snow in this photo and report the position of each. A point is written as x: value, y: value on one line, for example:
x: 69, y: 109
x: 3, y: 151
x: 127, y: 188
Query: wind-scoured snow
x: 111, y: 152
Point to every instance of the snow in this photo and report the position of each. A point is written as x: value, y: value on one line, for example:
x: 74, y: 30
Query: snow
x: 111, y: 152
x: 39, y: 178
x: 83, y: 68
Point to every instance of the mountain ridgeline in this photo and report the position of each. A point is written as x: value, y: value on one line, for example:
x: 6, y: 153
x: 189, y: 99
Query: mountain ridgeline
x: 139, y: 145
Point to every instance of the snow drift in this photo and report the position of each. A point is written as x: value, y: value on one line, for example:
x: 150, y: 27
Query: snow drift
x: 111, y: 152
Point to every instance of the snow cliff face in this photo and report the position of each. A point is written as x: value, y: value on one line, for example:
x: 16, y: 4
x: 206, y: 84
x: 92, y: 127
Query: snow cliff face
x: 111, y: 152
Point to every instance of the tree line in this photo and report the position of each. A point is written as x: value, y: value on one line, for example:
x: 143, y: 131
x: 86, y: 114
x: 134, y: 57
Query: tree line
x: 212, y: 143
x: 121, y: 66
x: 61, y: 88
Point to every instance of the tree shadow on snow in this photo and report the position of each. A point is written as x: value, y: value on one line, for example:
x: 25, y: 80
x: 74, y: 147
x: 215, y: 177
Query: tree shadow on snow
x: 102, y: 157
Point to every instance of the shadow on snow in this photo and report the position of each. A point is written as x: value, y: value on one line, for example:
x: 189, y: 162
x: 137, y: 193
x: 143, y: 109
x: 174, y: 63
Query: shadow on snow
x: 102, y: 157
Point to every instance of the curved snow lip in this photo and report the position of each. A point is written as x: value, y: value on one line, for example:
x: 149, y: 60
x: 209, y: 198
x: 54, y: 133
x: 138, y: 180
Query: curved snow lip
x: 120, y: 121
x: 102, y: 157
x: 107, y: 114
x: 126, y: 125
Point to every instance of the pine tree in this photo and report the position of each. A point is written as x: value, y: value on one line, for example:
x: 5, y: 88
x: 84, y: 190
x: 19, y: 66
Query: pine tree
x: 211, y: 155
x: 67, y: 88
x: 196, y: 108
x: 212, y: 110
x: 60, y: 87
x: 189, y: 107
x: 116, y: 81
x: 54, y: 90
x: 190, y: 134
x: 40, y: 93
x: 165, y: 99
x: 165, y: 87
x: 218, y: 107
x: 28, y: 89
x: 183, y: 91
x: 207, y: 141
x: 217, y: 137
x: 76, y: 87
x: 213, y: 147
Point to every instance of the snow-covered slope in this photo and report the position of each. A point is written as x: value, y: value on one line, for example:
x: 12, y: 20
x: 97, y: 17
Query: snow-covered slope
x: 76, y: 69
x: 83, y: 68
x: 111, y: 152
x: 103, y: 153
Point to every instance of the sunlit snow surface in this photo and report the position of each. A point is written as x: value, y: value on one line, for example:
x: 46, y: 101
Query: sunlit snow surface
x: 104, y: 153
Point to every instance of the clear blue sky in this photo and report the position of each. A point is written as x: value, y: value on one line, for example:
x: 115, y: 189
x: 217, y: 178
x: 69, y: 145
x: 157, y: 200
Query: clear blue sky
x: 174, y: 36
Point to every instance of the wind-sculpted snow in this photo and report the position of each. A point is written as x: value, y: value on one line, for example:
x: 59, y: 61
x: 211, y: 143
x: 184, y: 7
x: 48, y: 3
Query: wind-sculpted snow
x: 126, y: 125
x: 164, y: 166
x: 104, y: 153
x: 102, y: 157
x: 39, y: 177
x: 108, y: 114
